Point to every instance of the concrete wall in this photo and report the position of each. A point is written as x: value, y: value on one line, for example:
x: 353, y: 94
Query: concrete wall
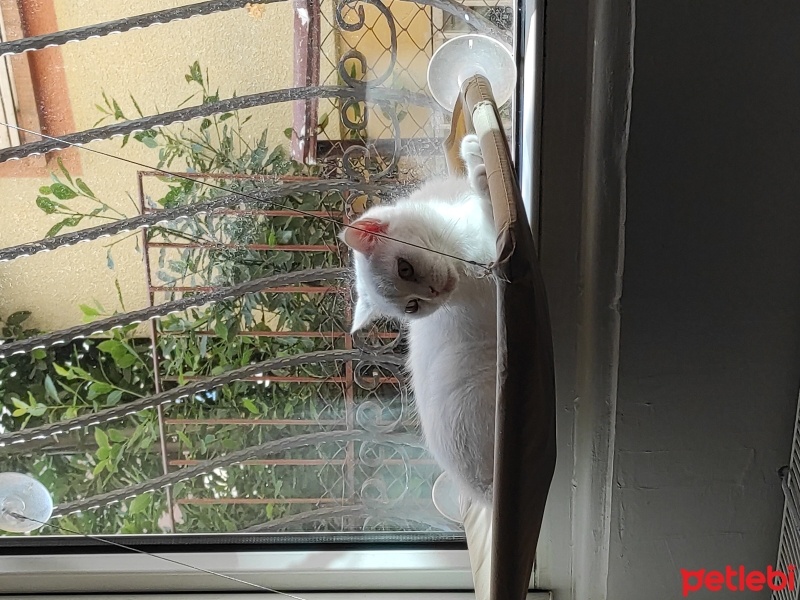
x: 710, y: 342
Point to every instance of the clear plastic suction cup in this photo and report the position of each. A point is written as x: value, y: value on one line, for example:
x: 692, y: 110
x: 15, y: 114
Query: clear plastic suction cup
x: 22, y: 496
x: 445, y: 498
x: 466, y: 56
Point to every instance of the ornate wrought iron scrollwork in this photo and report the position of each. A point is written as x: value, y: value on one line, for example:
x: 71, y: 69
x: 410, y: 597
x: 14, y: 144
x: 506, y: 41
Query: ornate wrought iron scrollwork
x: 357, y: 55
x: 382, y: 407
x: 370, y: 87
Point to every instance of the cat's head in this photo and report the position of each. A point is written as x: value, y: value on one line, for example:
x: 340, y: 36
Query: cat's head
x: 395, y: 279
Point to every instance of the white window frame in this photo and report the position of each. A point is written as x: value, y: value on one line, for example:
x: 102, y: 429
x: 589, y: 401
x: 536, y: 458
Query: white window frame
x: 396, y: 570
x: 304, y: 596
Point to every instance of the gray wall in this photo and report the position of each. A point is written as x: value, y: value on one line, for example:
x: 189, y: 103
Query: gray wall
x: 710, y: 341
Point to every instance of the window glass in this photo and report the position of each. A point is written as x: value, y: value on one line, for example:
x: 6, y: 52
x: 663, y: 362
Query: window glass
x: 243, y: 136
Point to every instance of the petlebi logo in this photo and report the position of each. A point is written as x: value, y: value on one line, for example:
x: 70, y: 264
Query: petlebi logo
x: 735, y: 579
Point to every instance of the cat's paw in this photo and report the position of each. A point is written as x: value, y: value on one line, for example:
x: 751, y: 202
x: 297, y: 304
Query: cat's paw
x: 479, y: 181
x: 471, y: 151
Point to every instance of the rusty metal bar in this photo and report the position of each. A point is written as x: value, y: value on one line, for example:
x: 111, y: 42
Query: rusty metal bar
x: 306, y: 74
x: 307, y: 462
x: 249, y: 421
x: 205, y: 501
x: 278, y: 247
x: 301, y: 334
x: 285, y: 379
x: 299, y: 289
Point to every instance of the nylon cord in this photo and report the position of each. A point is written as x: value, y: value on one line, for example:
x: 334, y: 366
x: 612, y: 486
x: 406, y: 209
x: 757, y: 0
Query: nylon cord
x: 159, y: 557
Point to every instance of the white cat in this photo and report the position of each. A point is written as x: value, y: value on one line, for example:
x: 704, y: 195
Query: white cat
x: 449, y: 312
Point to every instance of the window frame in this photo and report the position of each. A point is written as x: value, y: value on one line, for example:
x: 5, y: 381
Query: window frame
x: 442, y: 569
x: 301, y: 569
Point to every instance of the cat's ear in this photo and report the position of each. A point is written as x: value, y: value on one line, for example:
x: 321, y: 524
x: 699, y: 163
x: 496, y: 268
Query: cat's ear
x: 363, y: 314
x: 361, y: 236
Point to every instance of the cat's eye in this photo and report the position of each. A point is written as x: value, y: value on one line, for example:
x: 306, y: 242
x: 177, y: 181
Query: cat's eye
x: 412, y: 307
x: 405, y: 270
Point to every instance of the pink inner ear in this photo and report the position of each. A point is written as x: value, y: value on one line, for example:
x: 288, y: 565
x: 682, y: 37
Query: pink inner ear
x: 361, y: 236
x: 371, y: 225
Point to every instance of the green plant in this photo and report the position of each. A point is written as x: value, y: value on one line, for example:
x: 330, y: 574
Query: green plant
x: 212, y: 250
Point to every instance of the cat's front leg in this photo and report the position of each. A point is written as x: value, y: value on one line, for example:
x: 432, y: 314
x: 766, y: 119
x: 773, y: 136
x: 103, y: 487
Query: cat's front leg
x: 476, y: 169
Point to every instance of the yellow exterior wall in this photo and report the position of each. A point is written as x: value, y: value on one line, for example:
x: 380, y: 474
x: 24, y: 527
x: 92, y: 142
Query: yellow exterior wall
x: 244, y: 50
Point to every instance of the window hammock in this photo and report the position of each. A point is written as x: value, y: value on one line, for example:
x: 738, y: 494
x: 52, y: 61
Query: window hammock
x: 502, y: 542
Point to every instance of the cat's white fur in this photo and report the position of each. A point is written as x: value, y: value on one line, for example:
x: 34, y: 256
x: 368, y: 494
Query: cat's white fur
x: 452, y: 338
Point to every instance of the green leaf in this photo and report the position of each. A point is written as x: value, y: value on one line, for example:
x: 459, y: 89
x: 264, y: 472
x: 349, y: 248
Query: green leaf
x: 72, y: 221
x: 172, y: 197
x: 118, y: 114
x: 136, y: 106
x: 84, y: 188
x: 88, y: 311
x: 19, y: 412
x: 99, y: 467
x: 63, y: 192
x: 19, y: 404
x: 64, y: 169
x: 126, y: 361
x: 18, y: 317
x: 101, y: 438
x: 47, y: 205
x: 50, y: 388
x: 39, y: 354
x: 149, y: 142
x: 64, y: 372
x: 54, y: 229
x: 112, y: 347
x: 195, y: 74
x: 250, y: 406
x: 113, y: 398
x: 68, y: 222
x: 205, y: 124
x: 115, y: 435
x: 221, y: 330
x: 116, y: 285
x: 288, y: 133
x: 98, y: 388
x: 45, y: 189
x: 225, y: 116
x: 323, y: 122
x: 139, y: 504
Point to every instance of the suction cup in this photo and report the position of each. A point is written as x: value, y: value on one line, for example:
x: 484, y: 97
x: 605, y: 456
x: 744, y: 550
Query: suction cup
x: 23, y: 495
x: 466, y: 56
x: 445, y: 496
